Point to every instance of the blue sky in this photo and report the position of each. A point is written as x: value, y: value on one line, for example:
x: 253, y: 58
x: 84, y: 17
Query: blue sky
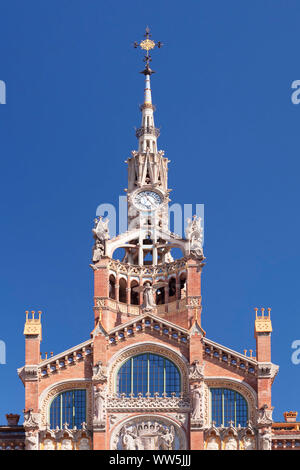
x: 223, y: 96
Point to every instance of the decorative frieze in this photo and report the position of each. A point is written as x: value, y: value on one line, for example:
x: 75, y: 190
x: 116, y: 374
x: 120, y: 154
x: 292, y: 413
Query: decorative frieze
x: 147, y: 403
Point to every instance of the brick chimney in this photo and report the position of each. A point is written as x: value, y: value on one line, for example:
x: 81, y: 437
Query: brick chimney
x: 12, y: 420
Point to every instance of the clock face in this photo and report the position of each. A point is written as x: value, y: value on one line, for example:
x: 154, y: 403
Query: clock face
x: 147, y: 200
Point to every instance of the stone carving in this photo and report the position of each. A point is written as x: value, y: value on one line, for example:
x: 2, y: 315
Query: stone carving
x: 148, y: 294
x: 194, y: 233
x: 129, y: 440
x: 148, y: 435
x: 197, y: 405
x: 49, y: 444
x: 154, y: 403
x: 31, y: 420
x: 264, y: 415
x: 230, y: 438
x: 231, y: 443
x: 31, y: 441
x: 65, y: 439
x: 196, y: 370
x: 66, y: 444
x: 98, y: 251
x: 100, y: 230
x: 99, y: 406
x: 84, y: 444
x: 99, y: 371
x: 248, y: 443
x: 266, y: 440
x: 212, y: 444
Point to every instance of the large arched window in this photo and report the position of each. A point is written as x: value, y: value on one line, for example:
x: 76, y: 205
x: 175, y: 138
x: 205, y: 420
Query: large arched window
x: 68, y: 407
x: 148, y: 373
x: 228, y: 407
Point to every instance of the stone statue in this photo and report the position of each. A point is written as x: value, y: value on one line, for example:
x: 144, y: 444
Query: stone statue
x: 128, y: 440
x: 167, y: 438
x: 101, y: 228
x: 266, y: 440
x: 231, y: 444
x: 98, y: 251
x: 84, y: 444
x: 197, y: 403
x: 148, y: 294
x: 168, y: 258
x: 194, y: 233
x: 248, y: 443
x: 66, y: 444
x: 49, y: 444
x: 212, y: 444
x: 31, y: 441
x: 99, y: 405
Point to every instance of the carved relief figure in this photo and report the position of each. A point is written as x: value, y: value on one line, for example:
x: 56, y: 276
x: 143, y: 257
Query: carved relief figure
x: 49, y: 444
x: 266, y: 440
x: 248, y: 443
x: 167, y: 438
x: 212, y: 444
x: 84, y: 444
x: 128, y: 440
x: 98, y: 251
x: 231, y: 444
x: 66, y: 444
x: 31, y: 441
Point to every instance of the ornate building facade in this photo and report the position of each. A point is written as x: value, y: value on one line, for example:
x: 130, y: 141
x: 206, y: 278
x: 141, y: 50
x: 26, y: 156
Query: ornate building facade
x: 149, y: 377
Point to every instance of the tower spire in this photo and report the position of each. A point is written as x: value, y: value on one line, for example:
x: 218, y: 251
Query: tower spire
x: 147, y: 133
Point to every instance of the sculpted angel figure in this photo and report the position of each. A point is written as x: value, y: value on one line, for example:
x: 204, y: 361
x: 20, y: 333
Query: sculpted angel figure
x: 101, y: 228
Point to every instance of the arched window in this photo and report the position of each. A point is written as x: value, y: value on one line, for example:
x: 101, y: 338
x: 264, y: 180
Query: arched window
x: 112, y: 287
x: 148, y: 373
x: 228, y: 406
x: 68, y: 407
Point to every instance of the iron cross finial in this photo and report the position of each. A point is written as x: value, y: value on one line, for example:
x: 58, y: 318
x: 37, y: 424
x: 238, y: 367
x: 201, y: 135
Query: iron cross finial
x: 147, y: 45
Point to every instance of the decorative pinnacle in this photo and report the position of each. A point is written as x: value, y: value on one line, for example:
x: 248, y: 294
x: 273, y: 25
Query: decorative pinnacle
x: 147, y: 45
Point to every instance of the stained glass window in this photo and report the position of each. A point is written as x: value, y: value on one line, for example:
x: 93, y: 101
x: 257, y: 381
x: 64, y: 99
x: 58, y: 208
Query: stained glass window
x: 148, y: 373
x: 68, y: 407
x: 228, y: 406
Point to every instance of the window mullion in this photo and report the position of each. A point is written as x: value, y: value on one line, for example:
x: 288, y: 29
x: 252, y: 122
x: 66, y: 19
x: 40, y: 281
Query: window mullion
x: 148, y: 373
